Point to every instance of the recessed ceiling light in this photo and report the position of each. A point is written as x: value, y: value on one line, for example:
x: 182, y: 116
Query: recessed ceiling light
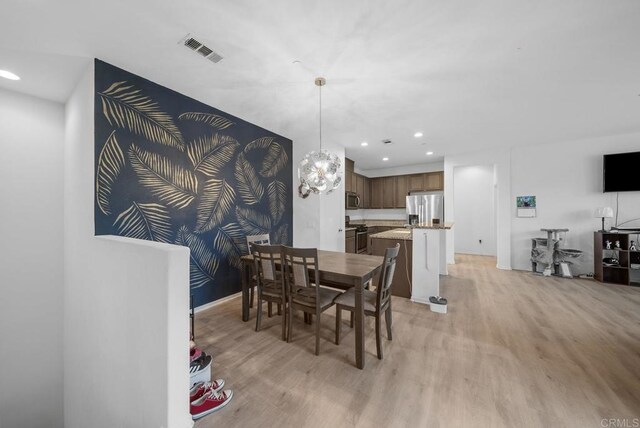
x: 385, y: 159
x: 8, y: 75
x: 364, y: 144
x: 429, y: 153
x: 418, y: 134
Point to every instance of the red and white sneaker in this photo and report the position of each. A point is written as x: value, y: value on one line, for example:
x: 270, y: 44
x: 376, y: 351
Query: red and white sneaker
x: 202, y: 388
x: 195, y: 353
x: 210, y: 402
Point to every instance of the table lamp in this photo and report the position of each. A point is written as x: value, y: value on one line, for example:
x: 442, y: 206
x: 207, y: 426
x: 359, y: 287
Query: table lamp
x: 603, y: 212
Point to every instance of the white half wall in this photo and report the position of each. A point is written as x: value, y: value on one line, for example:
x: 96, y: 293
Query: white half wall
x: 474, y: 205
x: 31, y: 275
x: 126, y: 317
x: 566, y: 179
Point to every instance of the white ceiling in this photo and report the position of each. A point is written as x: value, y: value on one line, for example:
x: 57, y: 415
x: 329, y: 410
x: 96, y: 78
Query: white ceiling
x: 470, y: 75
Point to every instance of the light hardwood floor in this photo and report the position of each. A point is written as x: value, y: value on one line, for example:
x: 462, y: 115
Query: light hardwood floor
x: 515, y: 350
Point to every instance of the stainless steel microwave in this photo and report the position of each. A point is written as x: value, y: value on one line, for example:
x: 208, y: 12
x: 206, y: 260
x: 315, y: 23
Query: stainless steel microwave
x: 352, y: 201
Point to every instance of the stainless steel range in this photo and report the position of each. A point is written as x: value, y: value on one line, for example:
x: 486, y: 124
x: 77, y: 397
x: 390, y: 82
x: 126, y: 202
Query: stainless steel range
x: 362, y: 238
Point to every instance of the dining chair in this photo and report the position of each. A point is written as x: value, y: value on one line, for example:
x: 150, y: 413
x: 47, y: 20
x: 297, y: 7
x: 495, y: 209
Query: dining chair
x: 270, y: 282
x: 302, y: 294
x: 262, y: 240
x: 375, y: 303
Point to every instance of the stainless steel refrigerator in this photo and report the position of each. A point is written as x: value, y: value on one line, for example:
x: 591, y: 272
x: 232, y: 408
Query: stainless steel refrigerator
x: 424, y: 207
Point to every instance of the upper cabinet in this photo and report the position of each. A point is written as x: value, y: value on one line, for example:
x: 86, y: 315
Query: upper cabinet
x: 434, y: 181
x: 389, y: 192
x: 376, y: 192
x: 366, y: 193
x: 349, y: 165
x: 349, y: 184
x: 416, y: 182
x: 402, y: 189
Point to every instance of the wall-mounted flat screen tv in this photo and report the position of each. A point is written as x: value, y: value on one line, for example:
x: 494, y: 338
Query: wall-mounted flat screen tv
x: 621, y: 172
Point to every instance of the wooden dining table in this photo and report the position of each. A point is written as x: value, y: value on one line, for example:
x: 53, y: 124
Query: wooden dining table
x: 336, y: 269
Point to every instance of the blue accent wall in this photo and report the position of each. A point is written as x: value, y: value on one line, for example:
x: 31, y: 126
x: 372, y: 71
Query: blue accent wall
x: 172, y: 169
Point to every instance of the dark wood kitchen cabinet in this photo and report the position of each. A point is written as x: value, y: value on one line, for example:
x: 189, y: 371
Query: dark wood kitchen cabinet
x: 415, y: 182
x: 388, y: 192
x: 360, y: 186
x: 366, y: 193
x: 349, y: 184
x: 434, y: 181
x: 401, y: 285
x: 401, y: 191
x: 350, y: 241
x: 376, y: 192
x: 354, y: 182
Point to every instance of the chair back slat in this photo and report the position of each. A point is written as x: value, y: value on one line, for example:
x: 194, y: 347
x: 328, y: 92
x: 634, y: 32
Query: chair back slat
x: 268, y: 271
x: 386, y: 277
x: 265, y: 259
x: 297, y: 263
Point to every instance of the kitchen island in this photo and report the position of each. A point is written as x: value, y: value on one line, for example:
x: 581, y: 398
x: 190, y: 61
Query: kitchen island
x: 423, y: 248
x: 401, y: 285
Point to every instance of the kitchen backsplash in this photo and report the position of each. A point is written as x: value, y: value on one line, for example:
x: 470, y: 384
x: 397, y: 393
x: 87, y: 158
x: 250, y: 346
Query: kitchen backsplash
x: 378, y: 214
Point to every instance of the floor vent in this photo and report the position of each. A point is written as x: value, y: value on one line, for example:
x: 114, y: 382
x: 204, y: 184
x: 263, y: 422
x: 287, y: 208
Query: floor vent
x: 201, y: 48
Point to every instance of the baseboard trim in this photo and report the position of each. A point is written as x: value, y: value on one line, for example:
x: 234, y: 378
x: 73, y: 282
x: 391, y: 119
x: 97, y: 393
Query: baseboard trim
x: 217, y: 302
x: 503, y: 267
x: 421, y: 301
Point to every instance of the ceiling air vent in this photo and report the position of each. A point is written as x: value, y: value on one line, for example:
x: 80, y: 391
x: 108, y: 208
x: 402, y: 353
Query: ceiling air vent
x: 201, y: 48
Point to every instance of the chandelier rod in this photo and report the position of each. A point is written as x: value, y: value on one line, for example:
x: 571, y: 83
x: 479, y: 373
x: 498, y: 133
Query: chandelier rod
x: 320, y: 88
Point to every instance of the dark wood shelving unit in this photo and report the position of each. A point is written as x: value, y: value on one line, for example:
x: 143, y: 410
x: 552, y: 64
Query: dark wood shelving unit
x: 623, y: 273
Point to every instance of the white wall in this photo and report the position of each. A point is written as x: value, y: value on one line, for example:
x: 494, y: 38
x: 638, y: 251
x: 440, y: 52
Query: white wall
x: 500, y: 160
x: 31, y: 276
x: 317, y: 220
x: 332, y: 210
x: 126, y: 324
x: 474, y: 205
x: 566, y: 179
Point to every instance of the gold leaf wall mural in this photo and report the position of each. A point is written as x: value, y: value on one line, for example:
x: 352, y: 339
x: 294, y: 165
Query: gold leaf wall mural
x: 281, y: 235
x: 145, y: 221
x: 168, y: 181
x: 274, y: 161
x: 260, y: 143
x: 249, y: 185
x: 204, y: 263
x: 231, y: 242
x: 253, y: 222
x: 207, y: 179
x: 277, y: 196
x: 110, y: 163
x: 216, y: 201
x: 214, y: 120
x: 125, y: 107
x: 210, y: 154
